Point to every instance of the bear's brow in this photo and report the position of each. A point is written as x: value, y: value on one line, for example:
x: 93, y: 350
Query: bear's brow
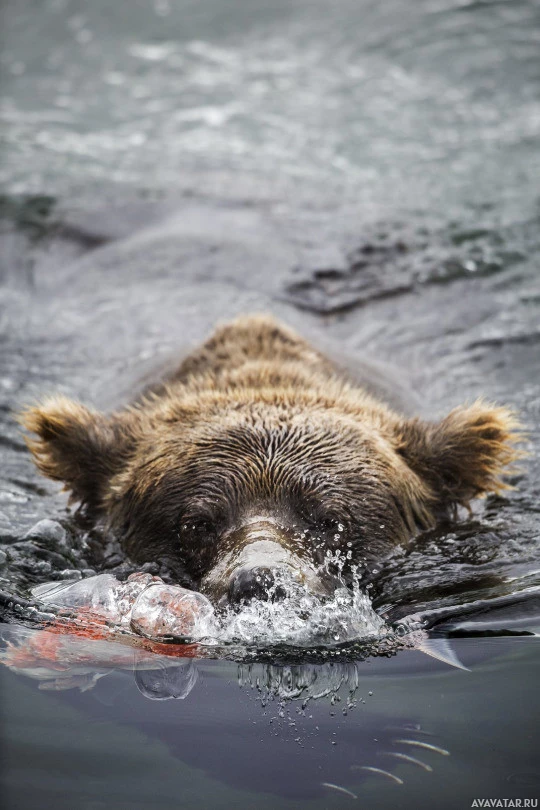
x: 309, y: 490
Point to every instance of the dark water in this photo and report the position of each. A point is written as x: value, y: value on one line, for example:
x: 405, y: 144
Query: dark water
x: 231, y: 744
x: 369, y: 172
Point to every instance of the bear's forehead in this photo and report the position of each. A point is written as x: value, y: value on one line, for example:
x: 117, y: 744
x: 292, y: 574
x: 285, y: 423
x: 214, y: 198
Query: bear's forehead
x: 270, y: 441
x: 267, y: 430
x: 236, y: 462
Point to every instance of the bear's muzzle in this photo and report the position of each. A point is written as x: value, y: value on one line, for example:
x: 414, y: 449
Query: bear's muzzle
x: 258, y: 564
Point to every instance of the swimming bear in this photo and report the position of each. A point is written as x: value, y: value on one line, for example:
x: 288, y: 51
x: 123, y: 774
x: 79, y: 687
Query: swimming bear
x: 258, y: 456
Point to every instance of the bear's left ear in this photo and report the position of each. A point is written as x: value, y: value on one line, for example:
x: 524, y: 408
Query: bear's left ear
x: 81, y: 447
x: 465, y: 454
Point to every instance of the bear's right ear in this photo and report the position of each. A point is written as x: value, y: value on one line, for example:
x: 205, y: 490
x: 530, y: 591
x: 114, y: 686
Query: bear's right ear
x: 81, y: 447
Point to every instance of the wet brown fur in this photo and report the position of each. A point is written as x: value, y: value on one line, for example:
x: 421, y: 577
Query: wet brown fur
x: 257, y: 419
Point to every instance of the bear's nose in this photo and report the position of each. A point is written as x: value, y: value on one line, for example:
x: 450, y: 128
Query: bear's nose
x: 254, y: 583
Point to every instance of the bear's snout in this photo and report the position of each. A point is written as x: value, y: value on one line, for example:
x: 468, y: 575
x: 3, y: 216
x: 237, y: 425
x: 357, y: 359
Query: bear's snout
x: 255, y: 583
x: 259, y: 565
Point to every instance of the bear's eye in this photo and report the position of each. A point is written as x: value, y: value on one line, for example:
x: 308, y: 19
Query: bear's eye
x: 203, y: 529
x: 323, y: 520
x: 330, y: 523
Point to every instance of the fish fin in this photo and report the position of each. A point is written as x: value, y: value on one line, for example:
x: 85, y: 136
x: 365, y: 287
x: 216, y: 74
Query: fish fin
x: 440, y: 649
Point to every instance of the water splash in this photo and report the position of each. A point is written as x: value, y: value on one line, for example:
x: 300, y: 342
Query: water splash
x: 301, y: 618
x: 148, y: 607
x: 143, y: 605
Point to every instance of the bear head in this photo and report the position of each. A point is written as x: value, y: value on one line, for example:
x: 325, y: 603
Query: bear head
x: 231, y: 483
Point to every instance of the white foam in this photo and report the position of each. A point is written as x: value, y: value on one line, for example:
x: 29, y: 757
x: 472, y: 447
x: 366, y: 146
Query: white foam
x: 149, y: 607
x: 301, y: 618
